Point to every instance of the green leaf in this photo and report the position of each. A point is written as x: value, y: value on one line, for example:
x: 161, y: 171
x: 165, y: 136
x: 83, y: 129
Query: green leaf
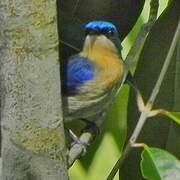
x: 158, y: 164
x: 175, y: 116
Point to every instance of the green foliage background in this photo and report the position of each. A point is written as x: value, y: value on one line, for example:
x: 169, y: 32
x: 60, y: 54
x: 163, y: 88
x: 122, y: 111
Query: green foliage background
x: 157, y: 130
x: 108, y: 147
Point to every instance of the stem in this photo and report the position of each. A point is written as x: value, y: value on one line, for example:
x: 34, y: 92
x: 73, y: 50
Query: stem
x: 165, y: 66
x: 128, y: 147
x: 144, y: 114
x: 69, y: 45
x: 119, y: 162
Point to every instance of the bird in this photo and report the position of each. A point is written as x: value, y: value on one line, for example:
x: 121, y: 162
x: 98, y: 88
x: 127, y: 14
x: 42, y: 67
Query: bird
x: 93, y: 77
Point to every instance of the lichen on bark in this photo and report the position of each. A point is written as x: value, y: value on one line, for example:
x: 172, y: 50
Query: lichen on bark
x: 33, y: 145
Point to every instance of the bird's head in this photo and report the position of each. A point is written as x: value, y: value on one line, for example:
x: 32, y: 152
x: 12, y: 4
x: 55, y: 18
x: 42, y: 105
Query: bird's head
x: 103, y: 33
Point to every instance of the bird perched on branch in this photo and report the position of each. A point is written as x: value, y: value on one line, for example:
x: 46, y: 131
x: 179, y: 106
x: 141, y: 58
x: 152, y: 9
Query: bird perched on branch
x: 93, y: 77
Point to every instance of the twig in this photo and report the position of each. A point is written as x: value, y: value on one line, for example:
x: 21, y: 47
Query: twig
x: 69, y: 45
x: 75, y: 7
x: 145, y: 113
x: 165, y: 66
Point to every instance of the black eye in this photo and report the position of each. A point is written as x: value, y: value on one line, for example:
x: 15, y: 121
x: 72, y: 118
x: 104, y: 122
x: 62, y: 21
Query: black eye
x: 110, y: 33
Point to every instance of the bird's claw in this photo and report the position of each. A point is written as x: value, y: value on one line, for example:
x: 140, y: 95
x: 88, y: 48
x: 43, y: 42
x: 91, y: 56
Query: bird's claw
x: 82, y: 144
x: 78, y: 142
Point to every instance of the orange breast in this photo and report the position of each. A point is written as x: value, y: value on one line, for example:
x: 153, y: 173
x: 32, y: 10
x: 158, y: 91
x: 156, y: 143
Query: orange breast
x: 111, y: 66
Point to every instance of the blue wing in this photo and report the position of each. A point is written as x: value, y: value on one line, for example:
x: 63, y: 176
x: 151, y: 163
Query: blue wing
x: 78, y: 71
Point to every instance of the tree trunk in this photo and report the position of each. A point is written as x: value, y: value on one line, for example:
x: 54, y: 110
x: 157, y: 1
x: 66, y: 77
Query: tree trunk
x: 33, y: 144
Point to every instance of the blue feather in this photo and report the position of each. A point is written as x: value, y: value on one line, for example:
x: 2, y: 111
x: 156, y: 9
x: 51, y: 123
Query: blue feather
x: 79, y: 71
x: 100, y: 26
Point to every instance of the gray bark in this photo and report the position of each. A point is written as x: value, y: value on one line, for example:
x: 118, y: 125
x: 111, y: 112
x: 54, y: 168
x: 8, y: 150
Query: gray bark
x: 33, y: 143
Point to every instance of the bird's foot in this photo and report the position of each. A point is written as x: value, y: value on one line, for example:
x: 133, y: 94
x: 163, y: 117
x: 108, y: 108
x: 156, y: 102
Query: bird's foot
x: 76, y: 141
x: 79, y: 145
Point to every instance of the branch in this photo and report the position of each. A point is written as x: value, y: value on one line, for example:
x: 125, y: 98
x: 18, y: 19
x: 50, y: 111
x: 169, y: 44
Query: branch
x: 147, y: 109
x: 33, y: 145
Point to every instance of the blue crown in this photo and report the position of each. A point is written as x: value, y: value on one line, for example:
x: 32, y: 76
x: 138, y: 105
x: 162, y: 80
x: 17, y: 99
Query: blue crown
x: 100, y: 26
